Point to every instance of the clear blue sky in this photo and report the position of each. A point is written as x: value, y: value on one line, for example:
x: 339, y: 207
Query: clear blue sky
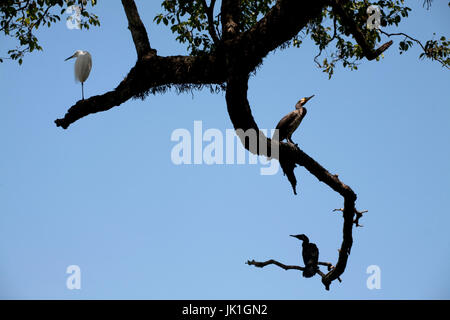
x: 104, y: 194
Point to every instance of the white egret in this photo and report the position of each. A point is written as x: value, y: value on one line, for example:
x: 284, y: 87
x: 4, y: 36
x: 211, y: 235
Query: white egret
x: 83, y: 66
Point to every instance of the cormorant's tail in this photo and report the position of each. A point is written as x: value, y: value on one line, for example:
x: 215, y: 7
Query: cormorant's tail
x: 310, y: 271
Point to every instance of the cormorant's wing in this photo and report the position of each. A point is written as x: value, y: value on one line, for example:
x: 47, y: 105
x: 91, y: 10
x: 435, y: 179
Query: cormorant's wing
x: 284, y: 124
x: 314, y: 253
x: 311, y: 255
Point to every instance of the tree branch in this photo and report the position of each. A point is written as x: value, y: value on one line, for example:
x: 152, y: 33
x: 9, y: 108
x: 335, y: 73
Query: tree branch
x: 137, y: 28
x: 278, y: 26
x: 270, y: 32
x: 271, y: 261
x: 286, y: 267
x: 358, y: 214
x: 230, y: 13
x: 151, y: 74
x: 357, y: 33
x: 210, y: 14
x: 425, y: 50
x: 241, y: 117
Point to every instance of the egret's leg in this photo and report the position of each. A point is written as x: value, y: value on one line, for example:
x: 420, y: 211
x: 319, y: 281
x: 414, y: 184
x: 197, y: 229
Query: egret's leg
x: 82, y: 90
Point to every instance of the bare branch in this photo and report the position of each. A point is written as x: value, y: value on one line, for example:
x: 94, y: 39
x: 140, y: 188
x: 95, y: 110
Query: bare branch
x: 326, y: 264
x: 137, y: 28
x: 290, y: 267
x: 358, y: 214
x: 271, y: 261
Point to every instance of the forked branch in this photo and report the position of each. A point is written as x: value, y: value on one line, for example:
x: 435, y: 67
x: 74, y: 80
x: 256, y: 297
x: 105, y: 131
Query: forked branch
x: 358, y: 215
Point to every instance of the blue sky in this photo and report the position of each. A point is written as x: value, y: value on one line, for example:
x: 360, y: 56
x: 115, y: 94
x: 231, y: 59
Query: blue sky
x: 105, y: 195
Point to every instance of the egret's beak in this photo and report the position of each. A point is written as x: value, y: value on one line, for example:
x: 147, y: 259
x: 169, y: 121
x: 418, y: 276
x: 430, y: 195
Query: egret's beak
x: 70, y: 57
x: 292, y: 236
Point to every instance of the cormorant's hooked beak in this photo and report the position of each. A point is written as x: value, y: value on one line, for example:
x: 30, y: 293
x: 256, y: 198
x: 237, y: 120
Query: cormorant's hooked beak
x: 309, y: 98
x: 300, y: 237
x: 303, y: 101
x: 73, y: 56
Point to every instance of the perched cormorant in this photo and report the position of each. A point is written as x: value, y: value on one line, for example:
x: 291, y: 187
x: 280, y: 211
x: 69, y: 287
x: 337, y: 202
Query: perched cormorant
x: 292, y: 120
x: 310, y: 254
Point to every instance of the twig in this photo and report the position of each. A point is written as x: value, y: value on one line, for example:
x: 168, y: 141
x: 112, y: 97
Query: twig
x: 271, y: 261
x: 419, y: 43
x: 357, y: 33
x: 358, y: 214
x: 286, y: 267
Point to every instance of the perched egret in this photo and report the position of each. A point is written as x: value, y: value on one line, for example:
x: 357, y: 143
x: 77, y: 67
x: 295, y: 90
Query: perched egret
x: 292, y: 120
x: 83, y: 66
x: 310, y: 254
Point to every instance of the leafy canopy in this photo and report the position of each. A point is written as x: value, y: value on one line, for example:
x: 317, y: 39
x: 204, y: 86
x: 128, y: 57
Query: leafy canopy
x: 188, y: 20
x: 19, y: 19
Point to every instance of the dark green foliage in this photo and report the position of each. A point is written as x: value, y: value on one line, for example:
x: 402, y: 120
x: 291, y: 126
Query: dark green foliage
x: 437, y: 50
x: 187, y: 19
x: 19, y: 19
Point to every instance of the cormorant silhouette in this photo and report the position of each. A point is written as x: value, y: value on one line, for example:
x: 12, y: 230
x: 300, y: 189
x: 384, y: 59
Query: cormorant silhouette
x: 310, y: 254
x: 290, y: 122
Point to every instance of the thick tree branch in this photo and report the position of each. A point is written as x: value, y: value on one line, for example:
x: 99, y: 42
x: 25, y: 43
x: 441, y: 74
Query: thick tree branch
x: 241, y: 117
x: 137, y: 28
x: 285, y: 20
x: 152, y: 73
x: 230, y: 12
x: 357, y: 33
x: 270, y: 32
